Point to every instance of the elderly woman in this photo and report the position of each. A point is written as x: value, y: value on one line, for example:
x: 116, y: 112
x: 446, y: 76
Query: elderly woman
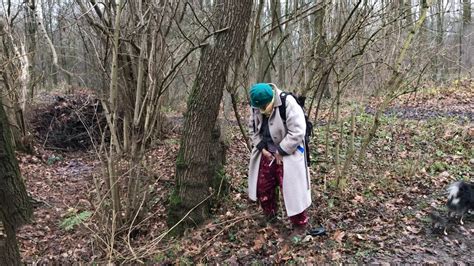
x: 278, y: 155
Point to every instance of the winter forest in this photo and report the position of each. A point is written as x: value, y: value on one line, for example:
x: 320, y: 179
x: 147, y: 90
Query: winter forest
x: 126, y: 130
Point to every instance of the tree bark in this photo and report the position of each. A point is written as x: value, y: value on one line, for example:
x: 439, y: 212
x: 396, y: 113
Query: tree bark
x: 31, y: 30
x: 276, y: 38
x: 466, y: 12
x: 408, y: 13
x: 264, y: 61
x: 465, y: 34
x: 15, y: 208
x: 47, y: 9
x: 9, y: 252
x: 318, y: 62
x: 199, y: 153
x: 438, y: 67
x: 114, y: 148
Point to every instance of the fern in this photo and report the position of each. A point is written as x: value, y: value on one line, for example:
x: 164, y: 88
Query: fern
x: 70, y: 222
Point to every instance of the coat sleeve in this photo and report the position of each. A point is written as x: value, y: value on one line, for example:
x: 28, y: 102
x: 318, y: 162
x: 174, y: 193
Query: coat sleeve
x: 253, y: 128
x: 295, y: 124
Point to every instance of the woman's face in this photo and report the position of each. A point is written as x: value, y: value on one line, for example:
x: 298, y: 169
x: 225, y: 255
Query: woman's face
x: 264, y: 107
x: 267, y: 109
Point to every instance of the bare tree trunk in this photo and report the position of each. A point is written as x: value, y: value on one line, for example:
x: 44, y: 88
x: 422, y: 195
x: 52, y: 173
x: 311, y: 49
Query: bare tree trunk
x: 438, y: 67
x: 113, y: 114
x: 198, y: 157
x: 319, y: 53
x: 15, y: 209
x: 62, y: 59
x: 406, y: 7
x: 16, y: 95
x: 254, y: 53
x: 9, y: 253
x: 135, y: 180
x: 53, y: 71
x: 466, y: 11
x: 264, y: 51
x: 466, y: 34
x: 31, y: 30
x: 277, y: 35
x: 264, y: 63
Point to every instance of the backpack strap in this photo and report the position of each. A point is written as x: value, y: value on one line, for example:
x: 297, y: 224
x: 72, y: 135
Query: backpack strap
x: 309, y: 125
x: 253, y: 121
x: 282, y: 107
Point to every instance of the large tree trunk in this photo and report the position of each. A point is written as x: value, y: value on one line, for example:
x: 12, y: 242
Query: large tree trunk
x: 195, y: 171
x: 9, y: 253
x: 16, y: 79
x: 15, y: 208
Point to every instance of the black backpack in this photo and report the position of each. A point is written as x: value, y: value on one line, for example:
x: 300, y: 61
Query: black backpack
x: 309, y: 126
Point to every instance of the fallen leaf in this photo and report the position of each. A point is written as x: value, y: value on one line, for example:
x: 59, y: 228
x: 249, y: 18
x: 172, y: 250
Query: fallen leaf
x: 258, y: 243
x: 338, y: 236
x: 413, y: 229
x: 283, y: 254
x: 358, y: 199
x: 335, y: 255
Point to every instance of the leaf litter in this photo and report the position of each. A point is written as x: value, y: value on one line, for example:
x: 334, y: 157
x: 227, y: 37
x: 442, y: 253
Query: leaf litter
x: 380, y: 217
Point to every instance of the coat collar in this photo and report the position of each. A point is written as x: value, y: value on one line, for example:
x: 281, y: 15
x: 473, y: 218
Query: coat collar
x: 277, y: 101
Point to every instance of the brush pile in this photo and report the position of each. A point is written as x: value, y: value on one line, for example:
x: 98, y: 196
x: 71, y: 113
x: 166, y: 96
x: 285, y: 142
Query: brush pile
x: 70, y: 123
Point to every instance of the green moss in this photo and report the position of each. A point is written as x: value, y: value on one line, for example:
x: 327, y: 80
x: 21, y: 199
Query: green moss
x: 175, y: 213
x: 192, y: 96
x: 180, y: 162
x: 221, y: 185
x: 174, y: 198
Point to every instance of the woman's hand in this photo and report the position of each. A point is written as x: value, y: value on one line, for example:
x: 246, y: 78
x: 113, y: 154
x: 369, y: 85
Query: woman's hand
x: 279, y: 158
x: 267, y: 154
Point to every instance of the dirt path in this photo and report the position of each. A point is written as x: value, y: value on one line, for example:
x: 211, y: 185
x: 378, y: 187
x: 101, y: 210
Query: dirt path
x: 417, y: 113
x: 430, y: 248
x: 59, y: 189
x: 419, y: 243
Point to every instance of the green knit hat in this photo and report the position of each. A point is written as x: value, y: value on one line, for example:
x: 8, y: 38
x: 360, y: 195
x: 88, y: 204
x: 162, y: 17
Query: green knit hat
x: 260, y: 94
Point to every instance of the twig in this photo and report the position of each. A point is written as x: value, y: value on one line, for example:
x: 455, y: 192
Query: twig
x: 202, y: 44
x: 301, y: 15
x: 112, y: 236
x: 274, y: 53
x: 195, y: 16
x: 238, y: 219
x: 49, y: 130
x: 130, y: 229
x: 158, y: 239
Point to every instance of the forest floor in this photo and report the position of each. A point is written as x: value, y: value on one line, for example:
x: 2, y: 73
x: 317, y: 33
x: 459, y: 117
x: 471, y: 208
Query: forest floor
x: 381, y: 215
